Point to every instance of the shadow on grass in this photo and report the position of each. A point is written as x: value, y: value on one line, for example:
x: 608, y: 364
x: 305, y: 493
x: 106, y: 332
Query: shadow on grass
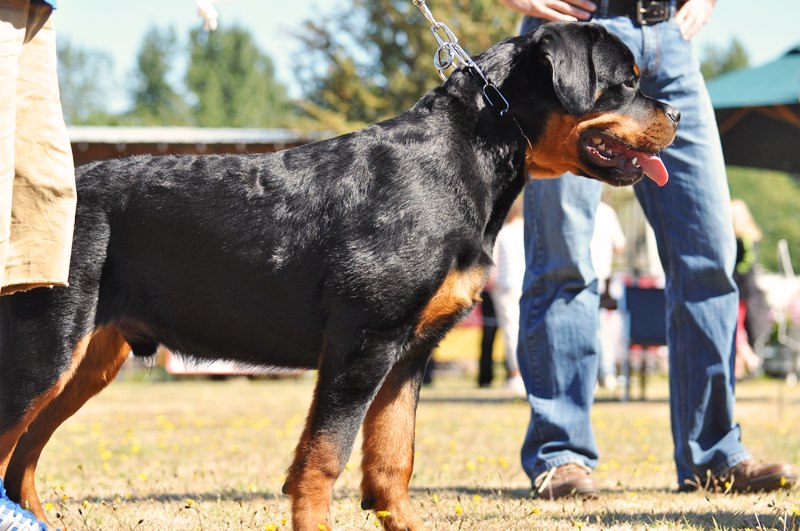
x: 711, y: 519
x: 173, y: 497
x: 594, y: 512
x: 517, y: 493
x: 599, y: 511
x: 470, y: 399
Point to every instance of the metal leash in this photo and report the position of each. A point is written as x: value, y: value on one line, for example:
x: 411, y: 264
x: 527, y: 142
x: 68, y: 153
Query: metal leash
x: 450, y: 53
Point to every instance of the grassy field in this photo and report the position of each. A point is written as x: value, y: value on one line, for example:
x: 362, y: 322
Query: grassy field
x: 212, y: 455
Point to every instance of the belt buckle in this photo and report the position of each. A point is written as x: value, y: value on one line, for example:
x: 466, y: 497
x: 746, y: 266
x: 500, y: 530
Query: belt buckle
x: 651, y: 11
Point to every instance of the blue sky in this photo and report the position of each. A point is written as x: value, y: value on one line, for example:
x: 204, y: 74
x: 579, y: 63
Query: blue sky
x: 766, y: 28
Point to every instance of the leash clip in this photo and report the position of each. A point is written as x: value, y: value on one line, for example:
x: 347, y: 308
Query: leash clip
x: 451, y: 54
x: 443, y: 59
x: 491, y: 88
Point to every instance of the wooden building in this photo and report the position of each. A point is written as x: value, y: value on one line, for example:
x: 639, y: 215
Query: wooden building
x: 91, y: 143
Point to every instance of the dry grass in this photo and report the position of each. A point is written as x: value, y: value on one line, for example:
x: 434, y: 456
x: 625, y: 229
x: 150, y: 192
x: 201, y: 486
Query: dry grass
x: 212, y: 455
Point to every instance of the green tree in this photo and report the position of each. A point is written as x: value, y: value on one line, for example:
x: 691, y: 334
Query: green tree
x: 156, y: 101
x: 373, y: 58
x: 233, y: 82
x: 719, y: 60
x: 85, y: 78
x: 773, y: 198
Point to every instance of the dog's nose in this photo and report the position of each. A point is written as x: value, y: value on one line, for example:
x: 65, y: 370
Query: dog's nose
x: 674, y: 114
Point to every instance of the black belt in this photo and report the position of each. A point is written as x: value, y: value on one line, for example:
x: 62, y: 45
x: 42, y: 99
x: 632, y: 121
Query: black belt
x: 644, y: 12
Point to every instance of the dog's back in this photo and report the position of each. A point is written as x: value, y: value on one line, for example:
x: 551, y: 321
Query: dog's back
x: 246, y: 257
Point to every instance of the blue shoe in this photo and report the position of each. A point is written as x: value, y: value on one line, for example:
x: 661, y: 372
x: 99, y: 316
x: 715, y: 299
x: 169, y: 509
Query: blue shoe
x: 15, y: 518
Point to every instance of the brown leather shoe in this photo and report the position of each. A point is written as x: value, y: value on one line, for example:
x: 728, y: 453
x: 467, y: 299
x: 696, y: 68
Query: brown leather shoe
x: 571, y: 479
x: 750, y: 476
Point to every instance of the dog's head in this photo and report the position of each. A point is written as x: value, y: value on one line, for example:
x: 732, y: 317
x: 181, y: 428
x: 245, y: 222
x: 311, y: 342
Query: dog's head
x: 592, y: 118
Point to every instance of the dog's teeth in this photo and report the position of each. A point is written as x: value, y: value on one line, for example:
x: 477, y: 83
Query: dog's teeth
x: 634, y: 160
x: 596, y: 140
x: 601, y: 147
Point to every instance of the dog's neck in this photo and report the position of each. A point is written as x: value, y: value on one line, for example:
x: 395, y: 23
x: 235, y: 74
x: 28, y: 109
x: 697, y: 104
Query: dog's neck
x: 498, y: 145
x: 501, y: 139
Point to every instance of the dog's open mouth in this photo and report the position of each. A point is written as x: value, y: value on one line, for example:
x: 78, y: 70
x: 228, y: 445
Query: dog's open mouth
x: 626, y: 165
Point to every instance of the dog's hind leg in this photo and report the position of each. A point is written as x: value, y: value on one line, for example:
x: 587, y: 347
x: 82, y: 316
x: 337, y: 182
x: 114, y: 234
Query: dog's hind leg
x: 101, y: 355
x: 388, y: 447
x: 34, y: 365
x: 349, y: 377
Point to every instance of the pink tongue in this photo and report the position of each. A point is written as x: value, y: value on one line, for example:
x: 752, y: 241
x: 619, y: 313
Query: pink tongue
x: 653, y: 168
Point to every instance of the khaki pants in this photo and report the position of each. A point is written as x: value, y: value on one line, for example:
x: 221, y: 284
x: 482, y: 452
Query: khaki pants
x: 37, y: 175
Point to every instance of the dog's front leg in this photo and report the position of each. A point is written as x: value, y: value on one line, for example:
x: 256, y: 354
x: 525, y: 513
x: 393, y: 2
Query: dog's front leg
x: 348, y: 380
x: 388, y: 448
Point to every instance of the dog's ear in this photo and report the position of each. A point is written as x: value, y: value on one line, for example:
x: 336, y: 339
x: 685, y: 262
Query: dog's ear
x: 568, y: 50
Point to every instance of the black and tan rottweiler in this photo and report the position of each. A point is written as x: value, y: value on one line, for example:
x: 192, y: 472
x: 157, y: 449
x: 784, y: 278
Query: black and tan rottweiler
x: 352, y: 255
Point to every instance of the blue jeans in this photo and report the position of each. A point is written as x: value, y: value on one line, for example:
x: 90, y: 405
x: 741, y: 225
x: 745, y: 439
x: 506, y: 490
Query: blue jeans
x: 692, y: 223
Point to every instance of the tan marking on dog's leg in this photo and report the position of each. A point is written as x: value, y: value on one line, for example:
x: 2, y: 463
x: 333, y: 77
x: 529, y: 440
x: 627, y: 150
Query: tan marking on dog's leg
x: 459, y: 290
x: 300, y: 450
x: 311, y: 486
x: 104, y: 354
x: 388, y: 453
x: 310, y: 479
x: 9, y: 439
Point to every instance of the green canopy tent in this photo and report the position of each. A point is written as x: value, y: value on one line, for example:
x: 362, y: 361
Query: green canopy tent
x: 758, y: 113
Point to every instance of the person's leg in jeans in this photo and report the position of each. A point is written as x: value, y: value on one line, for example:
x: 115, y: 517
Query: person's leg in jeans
x: 557, y: 348
x: 558, y: 323
x: 692, y: 224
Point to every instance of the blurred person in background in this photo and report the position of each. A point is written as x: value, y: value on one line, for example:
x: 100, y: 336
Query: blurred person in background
x: 506, y: 288
x: 608, y: 241
x: 753, y: 317
x: 488, y: 333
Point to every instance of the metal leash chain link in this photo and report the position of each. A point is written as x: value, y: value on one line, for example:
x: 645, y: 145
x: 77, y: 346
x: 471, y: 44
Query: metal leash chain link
x: 450, y: 53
